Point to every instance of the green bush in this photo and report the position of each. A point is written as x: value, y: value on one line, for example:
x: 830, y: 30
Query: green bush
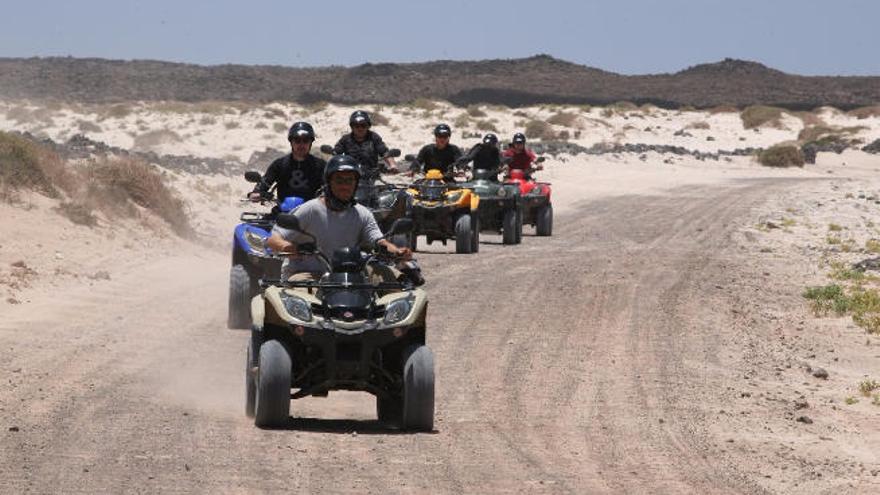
x: 782, y: 155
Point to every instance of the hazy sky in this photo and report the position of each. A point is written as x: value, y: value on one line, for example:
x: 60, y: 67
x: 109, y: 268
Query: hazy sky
x: 626, y: 36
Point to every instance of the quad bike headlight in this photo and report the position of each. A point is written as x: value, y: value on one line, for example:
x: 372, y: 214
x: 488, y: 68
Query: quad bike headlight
x: 297, y: 308
x: 255, y: 242
x: 397, y: 311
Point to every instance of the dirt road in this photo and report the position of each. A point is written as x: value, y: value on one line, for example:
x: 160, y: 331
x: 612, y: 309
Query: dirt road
x: 589, y: 362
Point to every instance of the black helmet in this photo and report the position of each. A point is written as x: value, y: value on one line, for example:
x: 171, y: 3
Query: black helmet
x: 360, y: 117
x: 442, y: 130
x: 519, y: 138
x: 490, y: 139
x: 340, y: 163
x: 301, y: 129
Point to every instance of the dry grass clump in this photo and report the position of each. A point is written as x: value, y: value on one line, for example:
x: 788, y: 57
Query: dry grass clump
x: 865, y: 112
x: 782, y: 155
x: 761, y: 115
x: 486, y: 125
x: 378, y: 119
x: 23, y: 115
x: 538, y: 129
x: 819, y: 133
x: 809, y: 118
x: 87, y: 126
x: 231, y: 124
x: 475, y: 111
x: 723, y: 109
x: 423, y: 104
x: 113, y: 182
x: 25, y: 165
x: 565, y: 119
x: 117, y: 111
x: 701, y: 125
x: 155, y: 138
x: 462, y: 120
x: 279, y: 127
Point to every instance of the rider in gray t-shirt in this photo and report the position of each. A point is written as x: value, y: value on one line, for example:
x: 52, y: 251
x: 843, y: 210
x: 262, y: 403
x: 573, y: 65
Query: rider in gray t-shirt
x: 335, y: 221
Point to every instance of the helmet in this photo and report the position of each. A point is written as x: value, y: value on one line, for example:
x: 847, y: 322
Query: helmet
x: 340, y: 163
x: 360, y: 117
x: 442, y: 130
x: 519, y: 138
x: 301, y: 129
x: 490, y: 139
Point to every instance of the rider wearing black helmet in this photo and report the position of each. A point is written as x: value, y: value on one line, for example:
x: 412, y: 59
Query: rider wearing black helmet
x: 520, y: 157
x: 364, y: 145
x: 335, y: 219
x: 441, y: 155
x: 484, y: 154
x: 297, y: 174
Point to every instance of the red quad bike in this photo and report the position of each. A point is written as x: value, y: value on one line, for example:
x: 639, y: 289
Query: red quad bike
x: 537, y: 208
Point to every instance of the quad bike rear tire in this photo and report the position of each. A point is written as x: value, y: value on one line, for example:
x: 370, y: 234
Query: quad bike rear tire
x: 463, y: 235
x: 272, y: 405
x: 519, y: 226
x: 544, y: 221
x: 250, y: 381
x: 242, y: 288
x: 475, y: 222
x: 418, y: 389
x: 508, y: 227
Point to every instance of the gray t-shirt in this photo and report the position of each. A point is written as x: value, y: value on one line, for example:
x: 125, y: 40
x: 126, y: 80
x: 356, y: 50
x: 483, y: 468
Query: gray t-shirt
x: 333, y: 230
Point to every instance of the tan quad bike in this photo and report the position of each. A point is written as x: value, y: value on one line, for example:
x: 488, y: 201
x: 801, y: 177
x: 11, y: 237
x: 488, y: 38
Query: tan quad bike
x: 344, y: 331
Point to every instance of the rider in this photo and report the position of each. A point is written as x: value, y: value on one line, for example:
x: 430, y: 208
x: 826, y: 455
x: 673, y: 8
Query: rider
x: 297, y: 174
x: 441, y: 155
x: 364, y: 145
x: 521, y: 157
x: 484, y: 154
x: 336, y: 221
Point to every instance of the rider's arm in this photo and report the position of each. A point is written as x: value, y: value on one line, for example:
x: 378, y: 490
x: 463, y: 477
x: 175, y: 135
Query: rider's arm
x: 339, y: 147
x: 280, y: 244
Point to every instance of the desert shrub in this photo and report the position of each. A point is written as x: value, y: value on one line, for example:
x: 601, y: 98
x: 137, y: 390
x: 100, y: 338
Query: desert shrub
x: 279, y: 127
x: 231, y: 124
x: 207, y: 120
x: 486, y: 126
x: 78, y: 212
x: 566, y: 119
x: 462, y: 120
x: 274, y: 113
x: 702, y: 124
x: 761, y: 115
x: 424, y: 104
x: 624, y: 106
x: 826, y: 299
x: 782, y: 155
x: 86, y: 126
x: 260, y: 125
x: 723, y: 109
x: 26, y: 165
x: 538, y: 129
x: 814, y: 132
x: 123, y: 179
x: 809, y: 119
x: 158, y: 137
x: 378, y: 119
x: 865, y: 112
x: 475, y: 111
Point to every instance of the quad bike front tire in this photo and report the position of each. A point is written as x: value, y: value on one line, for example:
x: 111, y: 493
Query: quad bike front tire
x: 544, y: 221
x: 508, y: 227
x: 519, y: 225
x: 241, y: 290
x: 418, y: 389
x: 463, y: 235
x: 272, y: 405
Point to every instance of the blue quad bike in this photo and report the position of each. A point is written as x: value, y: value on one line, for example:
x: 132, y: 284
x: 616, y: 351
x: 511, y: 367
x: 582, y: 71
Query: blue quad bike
x: 251, y: 258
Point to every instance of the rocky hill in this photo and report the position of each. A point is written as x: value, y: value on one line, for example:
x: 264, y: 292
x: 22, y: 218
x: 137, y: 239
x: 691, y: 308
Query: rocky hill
x: 538, y: 79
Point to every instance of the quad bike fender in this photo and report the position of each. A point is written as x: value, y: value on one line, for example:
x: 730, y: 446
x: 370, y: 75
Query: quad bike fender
x: 475, y: 202
x: 258, y: 311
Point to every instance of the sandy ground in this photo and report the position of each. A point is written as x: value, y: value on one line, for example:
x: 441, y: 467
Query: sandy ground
x: 658, y: 342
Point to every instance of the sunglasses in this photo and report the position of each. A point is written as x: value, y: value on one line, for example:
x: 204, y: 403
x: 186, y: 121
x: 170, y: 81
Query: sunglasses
x: 301, y: 140
x: 343, y: 181
x: 359, y: 126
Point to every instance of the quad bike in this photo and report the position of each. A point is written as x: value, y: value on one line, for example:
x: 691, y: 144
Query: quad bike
x: 251, y: 259
x: 500, y: 205
x: 444, y: 210
x: 342, y: 332
x: 386, y: 201
x: 537, y: 208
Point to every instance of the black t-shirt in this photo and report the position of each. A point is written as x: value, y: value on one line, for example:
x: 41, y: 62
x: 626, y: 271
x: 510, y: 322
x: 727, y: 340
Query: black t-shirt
x: 366, y: 152
x: 484, y: 156
x: 302, y: 179
x: 431, y: 157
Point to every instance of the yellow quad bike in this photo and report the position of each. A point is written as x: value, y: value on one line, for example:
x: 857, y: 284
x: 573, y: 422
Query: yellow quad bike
x: 444, y: 210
